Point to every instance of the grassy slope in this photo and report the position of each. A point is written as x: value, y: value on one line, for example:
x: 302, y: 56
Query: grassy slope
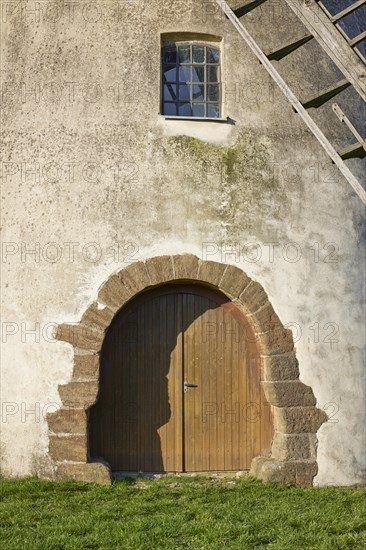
x: 197, y: 514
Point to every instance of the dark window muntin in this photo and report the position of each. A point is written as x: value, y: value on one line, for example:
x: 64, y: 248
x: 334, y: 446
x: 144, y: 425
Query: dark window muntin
x: 193, y: 87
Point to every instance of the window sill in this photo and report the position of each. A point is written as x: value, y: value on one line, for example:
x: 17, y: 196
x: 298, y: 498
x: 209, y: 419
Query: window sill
x: 226, y: 120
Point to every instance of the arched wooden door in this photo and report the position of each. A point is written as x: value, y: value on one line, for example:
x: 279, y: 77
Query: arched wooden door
x: 180, y: 386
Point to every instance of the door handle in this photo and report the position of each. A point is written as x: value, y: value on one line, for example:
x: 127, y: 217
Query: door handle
x: 187, y: 385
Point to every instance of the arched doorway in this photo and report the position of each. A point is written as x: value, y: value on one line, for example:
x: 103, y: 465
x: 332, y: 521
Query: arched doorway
x: 296, y: 418
x: 180, y: 386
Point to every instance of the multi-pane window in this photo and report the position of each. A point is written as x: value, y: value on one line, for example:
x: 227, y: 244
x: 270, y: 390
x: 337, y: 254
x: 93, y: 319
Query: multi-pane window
x: 191, y: 80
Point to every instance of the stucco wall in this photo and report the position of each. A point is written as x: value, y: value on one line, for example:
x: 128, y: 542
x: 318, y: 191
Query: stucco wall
x: 116, y: 183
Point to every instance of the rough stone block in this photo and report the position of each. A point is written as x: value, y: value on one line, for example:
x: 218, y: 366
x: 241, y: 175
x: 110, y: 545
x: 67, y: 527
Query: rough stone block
x: 253, y: 297
x: 98, y: 318
x: 86, y: 366
x: 73, y: 448
x: 185, y: 266
x: 265, y: 319
x: 281, y: 367
x: 93, y: 472
x: 292, y: 393
x: 287, y: 447
x: 269, y: 469
x: 305, y: 472
x: 134, y: 277
x: 298, y: 419
x: 292, y: 473
x: 160, y: 269
x: 211, y: 272
x: 277, y: 341
x: 114, y: 294
x: 72, y: 421
x: 79, y: 394
x: 234, y: 281
x: 80, y: 336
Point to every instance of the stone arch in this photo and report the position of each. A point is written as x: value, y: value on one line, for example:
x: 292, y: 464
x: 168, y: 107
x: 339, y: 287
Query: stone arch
x: 296, y: 417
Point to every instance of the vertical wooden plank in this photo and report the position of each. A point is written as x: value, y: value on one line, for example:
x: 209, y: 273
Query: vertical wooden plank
x: 162, y: 388
x: 178, y: 366
x: 211, y: 410
x: 250, y: 410
x: 219, y: 462
x: 188, y: 373
x: 140, y: 368
x: 120, y: 425
x: 198, y: 305
x: 206, y: 358
x: 170, y: 430
x: 228, y: 409
x: 130, y: 379
x: 235, y: 392
x: 150, y: 390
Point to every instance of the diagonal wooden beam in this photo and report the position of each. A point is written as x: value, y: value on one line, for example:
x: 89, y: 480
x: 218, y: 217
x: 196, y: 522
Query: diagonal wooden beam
x: 332, y: 42
x: 296, y: 104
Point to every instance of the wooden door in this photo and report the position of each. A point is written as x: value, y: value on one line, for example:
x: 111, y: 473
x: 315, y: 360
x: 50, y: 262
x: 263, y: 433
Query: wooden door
x: 227, y: 420
x: 136, y: 424
x: 180, y: 386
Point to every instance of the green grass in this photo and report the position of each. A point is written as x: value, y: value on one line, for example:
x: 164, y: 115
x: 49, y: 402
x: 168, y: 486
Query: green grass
x: 199, y: 513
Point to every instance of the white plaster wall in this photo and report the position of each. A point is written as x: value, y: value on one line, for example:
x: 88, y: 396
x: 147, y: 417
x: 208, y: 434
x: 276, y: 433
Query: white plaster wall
x: 177, y: 202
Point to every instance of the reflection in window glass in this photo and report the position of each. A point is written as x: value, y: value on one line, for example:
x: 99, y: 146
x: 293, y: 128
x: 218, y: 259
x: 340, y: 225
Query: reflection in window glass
x: 170, y: 108
x: 184, y: 92
x: 198, y: 74
x: 198, y: 54
x: 170, y: 92
x: 213, y: 110
x: 198, y: 92
x: 184, y: 109
x: 191, y: 80
x: 184, y: 54
x: 198, y: 109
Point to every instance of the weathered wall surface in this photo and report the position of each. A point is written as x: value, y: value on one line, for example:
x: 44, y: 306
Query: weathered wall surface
x: 92, y: 168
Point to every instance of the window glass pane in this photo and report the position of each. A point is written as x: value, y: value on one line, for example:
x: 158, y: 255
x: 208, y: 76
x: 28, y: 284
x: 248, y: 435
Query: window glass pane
x: 170, y: 74
x: 198, y: 92
x: 212, y: 74
x: 198, y: 54
x: 169, y: 109
x: 213, y: 92
x: 184, y: 109
x: 184, y: 74
x: 198, y: 74
x: 198, y: 109
x: 213, y: 55
x: 191, y: 80
x: 184, y: 54
x: 213, y: 110
x: 170, y: 55
x: 170, y: 92
x: 184, y: 92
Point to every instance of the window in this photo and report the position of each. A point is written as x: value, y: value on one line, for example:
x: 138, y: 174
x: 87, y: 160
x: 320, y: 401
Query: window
x: 191, y: 80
